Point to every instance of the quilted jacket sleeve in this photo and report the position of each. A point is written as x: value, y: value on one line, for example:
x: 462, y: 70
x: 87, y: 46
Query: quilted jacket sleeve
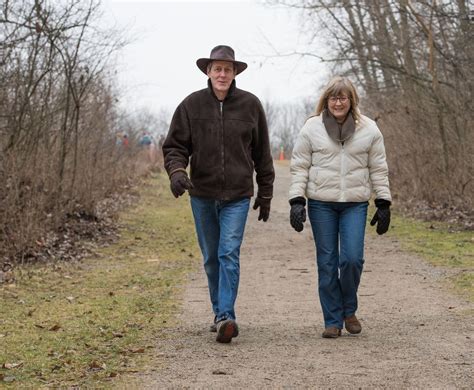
x: 378, y: 169
x: 300, y: 164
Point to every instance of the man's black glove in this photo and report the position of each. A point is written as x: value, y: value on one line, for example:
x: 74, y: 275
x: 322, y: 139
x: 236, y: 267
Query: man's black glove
x: 298, y: 213
x: 382, y: 216
x: 180, y: 183
x: 264, y: 204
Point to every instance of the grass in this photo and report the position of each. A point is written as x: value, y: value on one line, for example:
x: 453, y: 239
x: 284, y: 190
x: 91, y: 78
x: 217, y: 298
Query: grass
x: 441, y: 246
x: 87, y: 323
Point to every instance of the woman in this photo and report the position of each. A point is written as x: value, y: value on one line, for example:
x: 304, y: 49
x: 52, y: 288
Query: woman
x: 338, y: 159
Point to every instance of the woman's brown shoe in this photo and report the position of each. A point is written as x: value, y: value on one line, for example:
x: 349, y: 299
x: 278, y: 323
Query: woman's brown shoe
x: 331, y: 332
x: 352, y: 324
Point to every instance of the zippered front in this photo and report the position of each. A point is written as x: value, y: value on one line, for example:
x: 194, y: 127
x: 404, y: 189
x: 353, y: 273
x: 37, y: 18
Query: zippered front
x: 213, y: 136
x: 221, y: 110
x: 342, y: 172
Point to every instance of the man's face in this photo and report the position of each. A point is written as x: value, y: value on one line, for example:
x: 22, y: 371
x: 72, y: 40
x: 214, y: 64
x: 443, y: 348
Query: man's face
x: 221, y: 74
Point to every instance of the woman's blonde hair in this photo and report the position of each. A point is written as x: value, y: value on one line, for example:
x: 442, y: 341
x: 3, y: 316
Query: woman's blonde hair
x: 337, y: 86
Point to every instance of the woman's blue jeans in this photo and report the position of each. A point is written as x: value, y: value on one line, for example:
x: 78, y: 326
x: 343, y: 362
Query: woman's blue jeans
x: 339, y: 231
x: 220, y: 229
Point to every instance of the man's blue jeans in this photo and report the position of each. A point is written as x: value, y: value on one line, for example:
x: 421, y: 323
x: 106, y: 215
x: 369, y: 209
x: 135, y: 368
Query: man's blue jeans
x: 339, y: 231
x: 220, y: 229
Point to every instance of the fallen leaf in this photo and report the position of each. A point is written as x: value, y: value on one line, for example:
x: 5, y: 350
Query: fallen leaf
x: 95, y: 365
x: 117, y: 334
x: 11, y: 366
x: 39, y: 326
x: 138, y: 350
x: 55, y: 327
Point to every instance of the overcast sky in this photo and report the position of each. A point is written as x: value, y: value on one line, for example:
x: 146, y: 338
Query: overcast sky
x: 158, y: 69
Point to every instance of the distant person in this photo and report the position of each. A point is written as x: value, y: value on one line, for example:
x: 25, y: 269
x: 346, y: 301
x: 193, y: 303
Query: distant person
x: 145, y: 139
x: 119, y: 139
x: 222, y: 132
x: 148, y: 143
x: 125, y: 141
x: 338, y: 159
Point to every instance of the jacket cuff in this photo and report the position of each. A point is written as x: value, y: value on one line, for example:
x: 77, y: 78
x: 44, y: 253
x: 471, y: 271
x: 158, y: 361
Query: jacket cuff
x: 298, y: 200
x: 263, y: 195
x: 177, y: 170
x: 382, y: 203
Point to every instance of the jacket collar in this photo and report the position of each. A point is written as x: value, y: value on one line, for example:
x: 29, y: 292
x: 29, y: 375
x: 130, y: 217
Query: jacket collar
x: 338, y: 132
x: 229, y: 93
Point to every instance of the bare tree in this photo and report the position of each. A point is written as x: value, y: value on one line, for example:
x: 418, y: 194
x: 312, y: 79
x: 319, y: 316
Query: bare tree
x: 59, y: 118
x: 285, y: 120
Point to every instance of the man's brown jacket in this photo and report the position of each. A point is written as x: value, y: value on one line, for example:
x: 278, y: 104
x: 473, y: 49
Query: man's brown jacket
x: 224, y: 142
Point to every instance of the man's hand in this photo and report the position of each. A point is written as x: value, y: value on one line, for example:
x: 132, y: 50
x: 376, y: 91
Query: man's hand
x: 264, y: 205
x: 382, y: 216
x: 180, y: 183
x: 297, y: 213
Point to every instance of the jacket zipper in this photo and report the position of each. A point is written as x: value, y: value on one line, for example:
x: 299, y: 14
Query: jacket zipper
x: 221, y: 107
x: 343, y: 168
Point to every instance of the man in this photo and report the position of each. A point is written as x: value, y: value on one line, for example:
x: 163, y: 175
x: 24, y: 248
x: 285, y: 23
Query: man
x: 222, y: 131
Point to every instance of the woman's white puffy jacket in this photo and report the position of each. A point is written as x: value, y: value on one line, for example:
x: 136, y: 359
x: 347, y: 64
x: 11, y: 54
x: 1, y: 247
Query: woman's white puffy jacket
x: 323, y: 169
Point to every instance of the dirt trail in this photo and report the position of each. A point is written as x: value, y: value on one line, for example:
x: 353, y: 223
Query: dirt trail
x: 415, y: 333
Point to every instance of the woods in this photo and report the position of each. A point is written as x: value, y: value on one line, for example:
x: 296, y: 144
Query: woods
x: 59, y: 116
x: 413, y: 61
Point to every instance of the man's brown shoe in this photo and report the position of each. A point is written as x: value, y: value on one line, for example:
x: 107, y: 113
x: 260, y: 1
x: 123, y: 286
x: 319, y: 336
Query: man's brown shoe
x: 226, y: 330
x: 331, y: 332
x: 352, y: 324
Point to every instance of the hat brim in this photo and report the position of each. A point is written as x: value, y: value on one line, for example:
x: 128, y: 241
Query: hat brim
x: 203, y: 62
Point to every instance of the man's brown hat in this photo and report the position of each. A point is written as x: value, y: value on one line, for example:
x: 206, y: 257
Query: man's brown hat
x: 221, y: 53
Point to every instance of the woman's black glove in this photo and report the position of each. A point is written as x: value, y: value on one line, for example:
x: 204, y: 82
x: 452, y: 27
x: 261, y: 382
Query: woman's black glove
x: 298, y: 213
x: 382, y: 216
x: 180, y: 183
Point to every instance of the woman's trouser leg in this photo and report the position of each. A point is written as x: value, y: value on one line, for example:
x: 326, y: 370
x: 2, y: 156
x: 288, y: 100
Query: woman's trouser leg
x: 324, y: 218
x: 351, y: 260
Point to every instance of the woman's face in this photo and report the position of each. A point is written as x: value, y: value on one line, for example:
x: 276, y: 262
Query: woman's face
x: 339, y: 106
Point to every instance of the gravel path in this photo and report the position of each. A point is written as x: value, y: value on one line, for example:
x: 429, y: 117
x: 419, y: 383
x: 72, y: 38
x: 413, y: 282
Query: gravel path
x: 415, y: 333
